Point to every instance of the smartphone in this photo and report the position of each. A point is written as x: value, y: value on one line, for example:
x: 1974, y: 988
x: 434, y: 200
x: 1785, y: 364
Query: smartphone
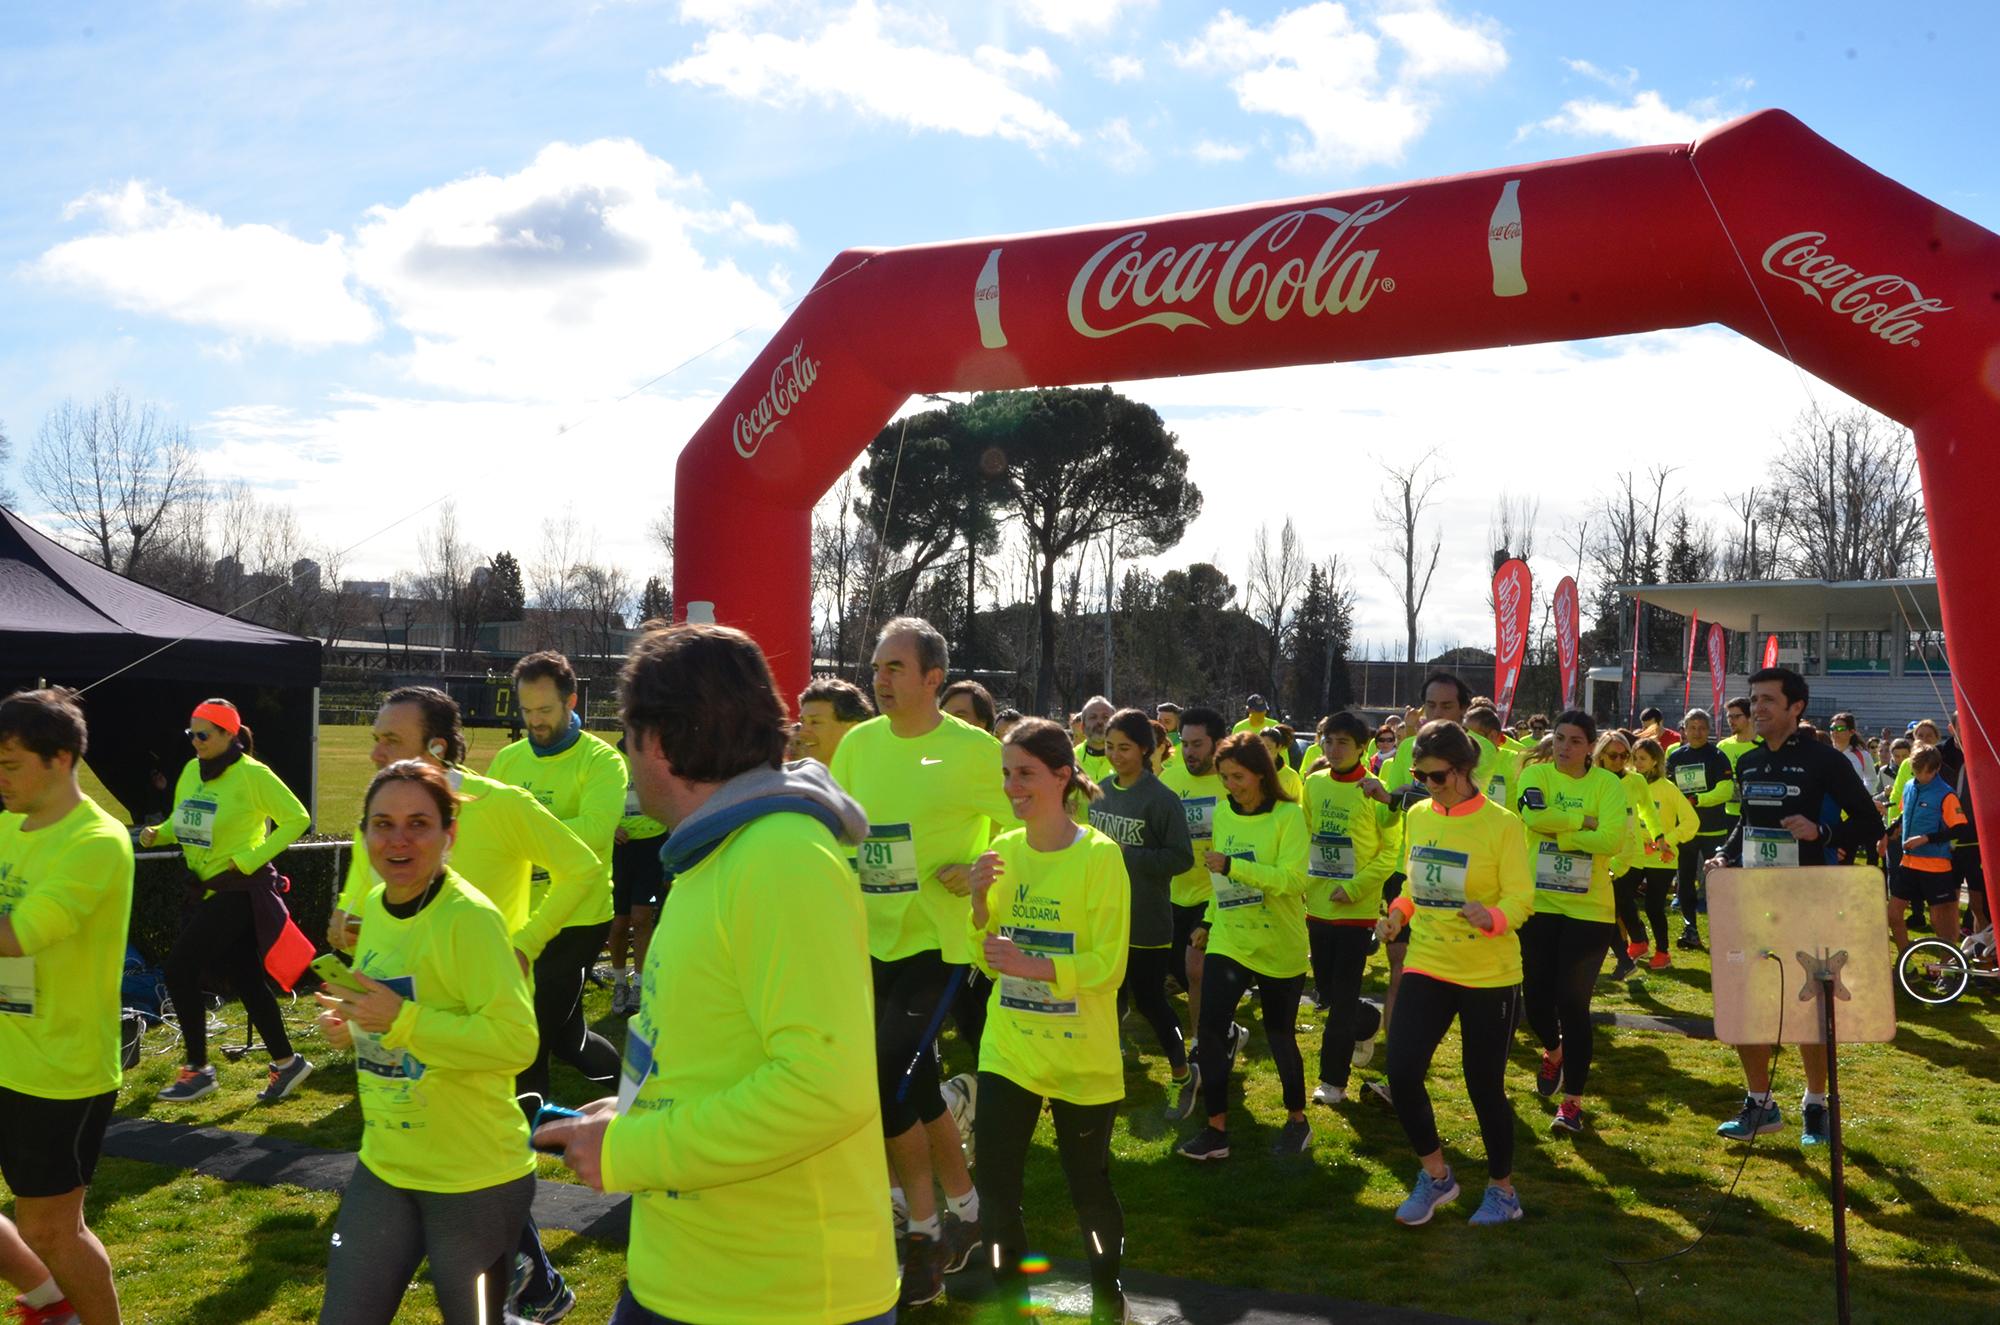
x: 333, y: 971
x: 550, y: 1113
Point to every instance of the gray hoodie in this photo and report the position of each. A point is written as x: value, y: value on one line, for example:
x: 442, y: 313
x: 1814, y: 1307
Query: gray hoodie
x: 801, y: 787
x: 1147, y: 821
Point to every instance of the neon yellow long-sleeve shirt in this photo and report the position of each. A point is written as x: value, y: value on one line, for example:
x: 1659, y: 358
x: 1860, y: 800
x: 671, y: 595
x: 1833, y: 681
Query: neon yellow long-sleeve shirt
x: 1475, y: 851
x: 437, y: 1088
x: 1642, y: 828
x: 504, y: 834
x: 67, y: 889
x: 1058, y: 1039
x: 1677, y: 819
x: 1733, y: 747
x: 758, y: 1110
x: 584, y: 787
x: 1257, y: 912
x: 1348, y: 853
x: 240, y: 820
x: 1571, y: 864
x: 1199, y: 797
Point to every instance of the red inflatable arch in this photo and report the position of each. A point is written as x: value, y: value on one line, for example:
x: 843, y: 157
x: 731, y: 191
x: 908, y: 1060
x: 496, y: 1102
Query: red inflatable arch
x: 1883, y: 293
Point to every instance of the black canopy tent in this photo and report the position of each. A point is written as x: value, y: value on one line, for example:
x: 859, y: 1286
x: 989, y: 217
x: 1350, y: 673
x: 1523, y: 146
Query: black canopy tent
x: 68, y: 621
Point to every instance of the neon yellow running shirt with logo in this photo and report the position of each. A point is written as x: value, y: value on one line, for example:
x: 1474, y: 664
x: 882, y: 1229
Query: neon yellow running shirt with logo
x: 1733, y: 749
x: 1199, y: 797
x: 584, y: 786
x: 1058, y: 1038
x: 221, y: 824
x: 437, y: 1088
x: 1348, y: 850
x: 1570, y: 865
x: 1257, y: 912
x: 503, y: 835
x: 1478, y: 852
x: 67, y: 888
x: 749, y: 1130
x: 932, y: 800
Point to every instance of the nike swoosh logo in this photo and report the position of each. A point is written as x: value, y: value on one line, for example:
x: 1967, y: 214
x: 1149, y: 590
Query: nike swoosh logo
x: 927, y: 761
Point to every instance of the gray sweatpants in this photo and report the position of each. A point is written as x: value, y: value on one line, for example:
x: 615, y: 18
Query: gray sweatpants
x: 384, y: 1233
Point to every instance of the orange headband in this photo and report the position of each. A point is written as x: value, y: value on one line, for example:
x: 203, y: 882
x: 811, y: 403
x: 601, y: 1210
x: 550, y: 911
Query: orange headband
x: 222, y: 715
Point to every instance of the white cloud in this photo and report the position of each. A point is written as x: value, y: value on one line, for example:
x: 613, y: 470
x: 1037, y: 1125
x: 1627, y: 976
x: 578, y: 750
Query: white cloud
x: 1643, y: 120
x: 854, y: 60
x: 1122, y: 69
x: 154, y: 254
x: 1122, y: 149
x: 1629, y: 78
x: 1210, y: 152
x: 578, y: 273
x: 1070, y: 17
x: 1320, y: 67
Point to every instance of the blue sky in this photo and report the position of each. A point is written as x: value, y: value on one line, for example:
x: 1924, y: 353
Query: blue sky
x: 371, y: 253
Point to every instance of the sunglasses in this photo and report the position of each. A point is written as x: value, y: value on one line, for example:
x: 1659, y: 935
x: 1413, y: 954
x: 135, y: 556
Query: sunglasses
x: 1436, y: 777
x: 1838, y: 727
x: 194, y: 735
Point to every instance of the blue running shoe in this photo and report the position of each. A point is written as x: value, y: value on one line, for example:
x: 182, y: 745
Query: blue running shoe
x: 1425, y: 1197
x: 1813, y: 1133
x: 1499, y: 1207
x: 1755, y: 1120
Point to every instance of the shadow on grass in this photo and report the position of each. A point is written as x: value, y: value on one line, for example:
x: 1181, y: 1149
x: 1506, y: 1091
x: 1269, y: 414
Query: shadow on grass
x: 276, y: 1249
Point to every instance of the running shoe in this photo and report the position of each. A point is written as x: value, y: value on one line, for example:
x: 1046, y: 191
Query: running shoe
x: 1549, y: 1075
x: 1660, y: 961
x: 621, y: 998
x: 1813, y: 1131
x: 1569, y: 1118
x: 551, y: 1308
x: 58, y: 1312
x: 1690, y: 939
x: 1634, y: 951
x: 1189, y: 1093
x: 191, y: 1084
x: 1364, y: 1052
x: 1755, y: 1120
x: 961, y: 1098
x: 1498, y: 1207
x: 1426, y: 1195
x: 1205, y: 1145
x: 285, y: 1080
x: 1329, y: 1094
x: 960, y: 1238
x: 923, y: 1277
x: 1239, y: 1040
x: 1380, y: 1090
x: 1623, y: 967
x: 1294, y: 1138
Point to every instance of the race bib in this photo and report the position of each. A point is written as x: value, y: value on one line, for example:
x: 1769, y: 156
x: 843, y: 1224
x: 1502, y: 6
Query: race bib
x: 373, y: 1059
x: 1332, y: 857
x: 1437, y: 877
x: 1035, y: 996
x: 1200, y: 812
x: 1691, y: 778
x: 1769, y: 848
x: 1229, y: 893
x: 1496, y: 789
x: 194, y: 822
x: 631, y: 801
x: 638, y: 1066
x: 17, y: 986
x: 887, y: 861
x: 1561, y: 871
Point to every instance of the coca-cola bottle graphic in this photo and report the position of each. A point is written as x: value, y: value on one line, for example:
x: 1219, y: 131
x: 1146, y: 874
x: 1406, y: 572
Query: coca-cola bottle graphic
x: 1503, y: 242
x: 986, y: 304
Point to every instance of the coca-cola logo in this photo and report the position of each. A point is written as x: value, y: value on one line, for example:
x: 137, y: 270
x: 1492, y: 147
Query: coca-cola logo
x: 791, y: 378
x: 1565, y: 623
x: 1885, y: 305
x: 1511, y: 230
x: 1232, y: 280
x: 1508, y: 602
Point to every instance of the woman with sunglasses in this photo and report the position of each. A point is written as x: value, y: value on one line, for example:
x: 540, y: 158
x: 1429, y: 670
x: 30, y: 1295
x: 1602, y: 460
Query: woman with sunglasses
x: 1469, y: 889
x: 231, y: 818
x: 1660, y: 866
x: 1575, y: 816
x: 1253, y: 932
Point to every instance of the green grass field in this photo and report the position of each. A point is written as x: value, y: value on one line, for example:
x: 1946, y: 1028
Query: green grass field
x: 1923, y: 1133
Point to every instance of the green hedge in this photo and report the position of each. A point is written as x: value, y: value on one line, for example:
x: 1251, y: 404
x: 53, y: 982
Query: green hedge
x: 316, y: 870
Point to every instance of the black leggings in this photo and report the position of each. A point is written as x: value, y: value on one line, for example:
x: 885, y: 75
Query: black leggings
x: 383, y: 1233
x: 910, y: 1000
x: 968, y: 1008
x: 1146, y: 985
x: 1002, y: 1129
x: 1425, y: 1006
x: 220, y: 935
x: 1653, y: 885
x: 559, y: 976
x: 1560, y: 959
x: 1339, y: 956
x: 1687, y: 874
x: 1223, y: 983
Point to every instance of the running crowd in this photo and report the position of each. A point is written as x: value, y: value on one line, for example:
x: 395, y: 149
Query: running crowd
x: 794, y: 911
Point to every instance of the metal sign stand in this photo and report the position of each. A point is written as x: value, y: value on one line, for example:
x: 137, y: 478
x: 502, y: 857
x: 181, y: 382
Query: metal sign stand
x: 1823, y: 981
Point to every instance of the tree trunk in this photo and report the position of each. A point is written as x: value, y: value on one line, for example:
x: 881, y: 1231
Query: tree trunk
x: 1045, y: 628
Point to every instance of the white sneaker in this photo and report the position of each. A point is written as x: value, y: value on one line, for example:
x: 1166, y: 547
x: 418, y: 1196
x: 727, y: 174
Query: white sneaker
x: 961, y: 1098
x: 621, y: 997
x: 1329, y: 1095
x: 1364, y: 1053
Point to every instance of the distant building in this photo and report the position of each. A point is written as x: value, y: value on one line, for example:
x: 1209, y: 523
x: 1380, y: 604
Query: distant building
x: 366, y: 588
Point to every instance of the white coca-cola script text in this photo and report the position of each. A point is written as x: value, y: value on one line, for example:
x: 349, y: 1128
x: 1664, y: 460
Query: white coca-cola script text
x: 1887, y: 306
x: 791, y: 378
